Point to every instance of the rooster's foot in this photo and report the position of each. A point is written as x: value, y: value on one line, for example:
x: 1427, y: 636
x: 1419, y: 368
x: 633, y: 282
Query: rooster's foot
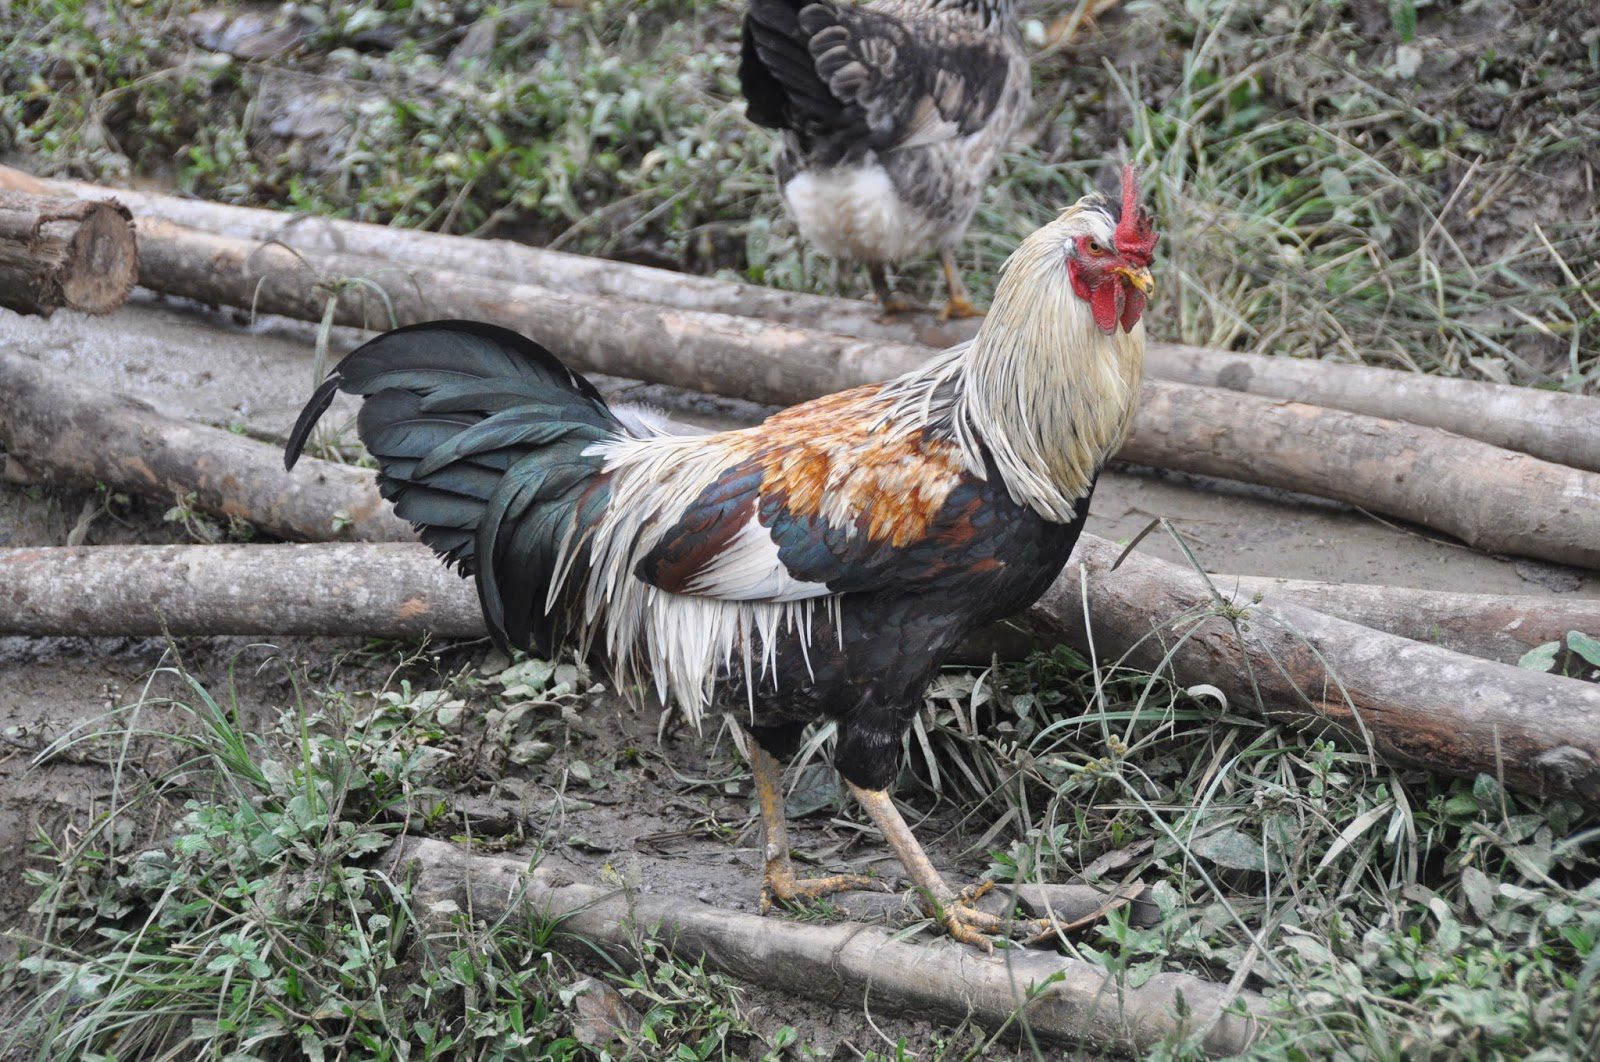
x: 966, y: 924
x: 958, y: 308
x: 782, y: 887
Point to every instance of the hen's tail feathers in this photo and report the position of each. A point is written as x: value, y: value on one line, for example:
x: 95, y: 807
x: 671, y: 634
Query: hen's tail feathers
x: 778, y: 73
x: 483, y: 443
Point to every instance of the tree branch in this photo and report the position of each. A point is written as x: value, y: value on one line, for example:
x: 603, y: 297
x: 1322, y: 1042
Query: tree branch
x: 1063, y: 1000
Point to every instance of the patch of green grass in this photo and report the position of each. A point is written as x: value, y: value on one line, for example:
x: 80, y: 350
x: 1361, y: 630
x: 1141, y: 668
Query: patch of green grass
x: 264, y: 925
x: 1387, y: 912
x: 1314, y: 202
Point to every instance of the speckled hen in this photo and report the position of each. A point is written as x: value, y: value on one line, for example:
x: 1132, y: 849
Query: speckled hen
x: 820, y: 565
x: 893, y: 114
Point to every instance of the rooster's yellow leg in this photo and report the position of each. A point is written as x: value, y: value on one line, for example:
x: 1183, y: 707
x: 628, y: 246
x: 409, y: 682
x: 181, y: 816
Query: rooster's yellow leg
x: 891, y: 303
x: 779, y: 885
x: 954, y: 910
x: 960, y: 304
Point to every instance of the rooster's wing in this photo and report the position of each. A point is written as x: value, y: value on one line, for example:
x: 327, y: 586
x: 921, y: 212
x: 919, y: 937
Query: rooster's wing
x: 841, y: 510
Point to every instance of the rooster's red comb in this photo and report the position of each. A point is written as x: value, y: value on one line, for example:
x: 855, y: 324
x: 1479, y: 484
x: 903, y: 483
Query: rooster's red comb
x: 1135, y: 236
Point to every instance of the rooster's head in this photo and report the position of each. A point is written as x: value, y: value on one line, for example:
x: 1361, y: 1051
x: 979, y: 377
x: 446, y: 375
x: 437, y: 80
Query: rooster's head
x: 1109, y: 255
x: 1053, y: 373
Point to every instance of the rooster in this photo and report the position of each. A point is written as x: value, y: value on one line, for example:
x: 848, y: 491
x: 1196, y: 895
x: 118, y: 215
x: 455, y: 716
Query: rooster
x: 893, y: 114
x: 820, y: 565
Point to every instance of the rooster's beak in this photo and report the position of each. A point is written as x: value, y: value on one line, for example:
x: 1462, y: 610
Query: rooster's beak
x: 1139, y: 278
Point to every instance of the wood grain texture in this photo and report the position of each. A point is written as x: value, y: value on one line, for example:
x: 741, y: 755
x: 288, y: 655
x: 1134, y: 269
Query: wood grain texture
x: 65, y: 252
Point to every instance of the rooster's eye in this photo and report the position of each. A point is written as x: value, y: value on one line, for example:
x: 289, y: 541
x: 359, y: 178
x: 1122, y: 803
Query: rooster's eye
x: 1094, y: 246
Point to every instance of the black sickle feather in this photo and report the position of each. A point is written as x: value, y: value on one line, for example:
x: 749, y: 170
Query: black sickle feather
x: 482, y: 439
x: 320, y: 401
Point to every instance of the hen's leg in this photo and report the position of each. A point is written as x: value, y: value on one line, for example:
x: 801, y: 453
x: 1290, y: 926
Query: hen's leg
x: 960, y: 304
x: 954, y: 910
x: 779, y: 884
x: 1066, y: 28
x: 891, y: 303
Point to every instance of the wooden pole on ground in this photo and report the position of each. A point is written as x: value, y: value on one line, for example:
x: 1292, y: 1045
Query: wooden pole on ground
x: 1062, y: 1000
x: 378, y: 590
x: 83, y: 436
x: 403, y: 591
x: 1420, y: 704
x: 56, y: 252
x: 507, y: 260
x: 1491, y: 626
x: 1557, y: 427
x: 1562, y: 428
x: 1495, y: 500
x: 1415, y: 704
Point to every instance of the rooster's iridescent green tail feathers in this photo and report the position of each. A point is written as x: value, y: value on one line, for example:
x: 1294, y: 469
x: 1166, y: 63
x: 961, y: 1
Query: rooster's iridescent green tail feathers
x: 482, y: 440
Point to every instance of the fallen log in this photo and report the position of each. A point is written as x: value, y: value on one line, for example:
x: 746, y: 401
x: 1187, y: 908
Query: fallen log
x: 1562, y: 428
x: 1491, y: 626
x: 1557, y: 427
x: 402, y: 591
x: 1413, y: 703
x: 56, y: 252
x: 720, y: 353
x: 1420, y: 704
x: 82, y: 436
x: 378, y: 590
x: 518, y: 262
x: 1495, y: 500
x: 1062, y: 1000
x: 1490, y: 498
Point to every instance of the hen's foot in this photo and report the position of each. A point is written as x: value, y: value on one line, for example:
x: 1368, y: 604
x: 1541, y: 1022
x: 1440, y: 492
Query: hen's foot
x: 892, y: 303
x: 782, y: 887
x: 959, y: 308
x: 896, y: 305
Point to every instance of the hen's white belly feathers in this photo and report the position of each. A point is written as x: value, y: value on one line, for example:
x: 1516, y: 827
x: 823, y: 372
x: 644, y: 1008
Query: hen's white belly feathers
x: 854, y: 213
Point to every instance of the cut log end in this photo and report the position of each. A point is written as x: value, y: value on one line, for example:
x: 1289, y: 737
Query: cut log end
x: 103, y: 264
x: 55, y: 253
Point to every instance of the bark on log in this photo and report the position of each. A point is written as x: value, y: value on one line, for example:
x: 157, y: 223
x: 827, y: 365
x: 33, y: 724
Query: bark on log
x: 520, y: 263
x: 1490, y: 498
x: 381, y: 590
x: 57, y: 252
x: 402, y: 591
x: 842, y: 965
x: 1495, y: 500
x: 1562, y: 428
x: 83, y: 436
x: 1417, y: 704
x: 1422, y: 704
x: 1556, y: 427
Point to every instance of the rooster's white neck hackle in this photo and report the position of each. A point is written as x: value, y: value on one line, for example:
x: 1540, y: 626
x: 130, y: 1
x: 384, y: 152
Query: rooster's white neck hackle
x: 1040, y: 387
